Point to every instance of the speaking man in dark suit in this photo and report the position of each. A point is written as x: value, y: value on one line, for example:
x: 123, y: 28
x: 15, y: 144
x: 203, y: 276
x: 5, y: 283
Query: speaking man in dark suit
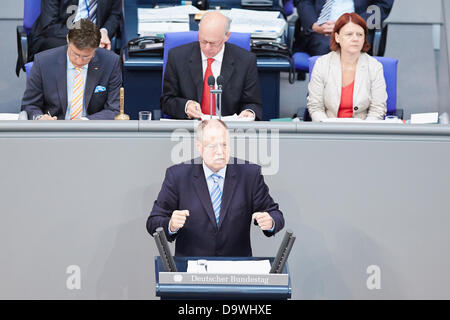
x: 79, y: 81
x: 186, y: 93
x: 208, y: 205
x: 57, y: 16
x: 316, y: 20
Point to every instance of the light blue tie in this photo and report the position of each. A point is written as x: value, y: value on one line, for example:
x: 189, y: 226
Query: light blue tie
x: 216, y: 196
x: 93, y: 11
x: 326, y: 12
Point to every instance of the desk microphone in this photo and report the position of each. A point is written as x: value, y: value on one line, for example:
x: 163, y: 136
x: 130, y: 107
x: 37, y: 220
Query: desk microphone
x: 220, y: 83
x: 211, y: 83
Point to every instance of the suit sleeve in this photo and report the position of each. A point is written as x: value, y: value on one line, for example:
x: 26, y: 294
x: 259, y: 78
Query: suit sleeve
x: 53, y: 25
x: 163, y: 207
x: 251, y: 95
x: 171, y: 103
x: 385, y: 8
x: 316, y: 87
x: 307, y: 13
x: 33, y: 97
x: 113, y: 21
x: 112, y: 105
x: 262, y: 201
x: 378, y: 96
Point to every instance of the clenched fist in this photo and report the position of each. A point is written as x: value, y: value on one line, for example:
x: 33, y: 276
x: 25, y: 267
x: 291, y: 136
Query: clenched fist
x: 178, y: 220
x: 264, y: 220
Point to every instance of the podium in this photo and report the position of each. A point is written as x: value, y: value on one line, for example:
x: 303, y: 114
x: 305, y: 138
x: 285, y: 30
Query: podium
x: 212, y: 286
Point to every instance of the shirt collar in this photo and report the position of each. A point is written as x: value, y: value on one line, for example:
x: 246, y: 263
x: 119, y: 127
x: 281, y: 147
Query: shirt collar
x: 208, y: 172
x: 218, y: 57
x: 71, y: 66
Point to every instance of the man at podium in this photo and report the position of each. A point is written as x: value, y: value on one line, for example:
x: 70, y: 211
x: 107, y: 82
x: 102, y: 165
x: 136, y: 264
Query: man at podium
x: 208, y: 204
x: 186, y: 93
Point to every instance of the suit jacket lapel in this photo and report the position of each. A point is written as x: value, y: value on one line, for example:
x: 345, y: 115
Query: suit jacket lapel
x: 228, y: 191
x: 336, y: 72
x: 92, y: 78
x: 196, y: 70
x: 361, y: 70
x: 202, y: 192
x: 61, y: 82
x: 227, y: 68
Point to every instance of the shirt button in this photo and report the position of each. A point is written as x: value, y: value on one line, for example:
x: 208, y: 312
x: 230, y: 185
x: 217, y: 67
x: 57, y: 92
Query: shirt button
x: 355, y: 108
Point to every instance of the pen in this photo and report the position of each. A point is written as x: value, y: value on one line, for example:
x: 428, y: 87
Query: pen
x: 49, y: 113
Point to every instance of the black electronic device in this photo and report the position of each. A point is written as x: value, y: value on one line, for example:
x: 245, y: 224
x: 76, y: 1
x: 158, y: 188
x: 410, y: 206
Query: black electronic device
x: 146, y: 46
x: 164, y: 250
x: 283, y: 252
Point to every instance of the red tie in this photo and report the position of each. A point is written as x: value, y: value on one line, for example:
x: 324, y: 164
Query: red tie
x: 206, y: 98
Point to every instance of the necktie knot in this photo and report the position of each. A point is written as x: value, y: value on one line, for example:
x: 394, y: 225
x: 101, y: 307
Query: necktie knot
x: 215, y: 177
x: 210, y: 61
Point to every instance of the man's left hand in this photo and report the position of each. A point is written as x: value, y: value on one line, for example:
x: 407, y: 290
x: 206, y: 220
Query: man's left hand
x: 104, y: 41
x: 247, y: 114
x: 264, y: 220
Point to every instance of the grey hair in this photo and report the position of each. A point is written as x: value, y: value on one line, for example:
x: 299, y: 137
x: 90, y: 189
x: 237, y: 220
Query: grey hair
x: 227, y: 22
x: 202, y: 125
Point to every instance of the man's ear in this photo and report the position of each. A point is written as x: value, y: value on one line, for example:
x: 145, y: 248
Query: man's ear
x: 67, y: 38
x: 227, y: 36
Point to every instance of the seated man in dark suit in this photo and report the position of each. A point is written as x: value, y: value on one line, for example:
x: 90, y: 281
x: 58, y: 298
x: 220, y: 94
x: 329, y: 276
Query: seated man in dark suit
x: 316, y: 19
x: 186, y: 93
x: 208, y: 205
x: 57, y: 16
x: 76, y: 81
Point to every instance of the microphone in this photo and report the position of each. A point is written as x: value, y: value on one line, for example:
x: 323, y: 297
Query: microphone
x: 211, y: 82
x: 220, y: 83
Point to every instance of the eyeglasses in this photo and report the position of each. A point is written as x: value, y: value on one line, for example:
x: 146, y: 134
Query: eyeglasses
x: 77, y: 56
x: 214, y: 44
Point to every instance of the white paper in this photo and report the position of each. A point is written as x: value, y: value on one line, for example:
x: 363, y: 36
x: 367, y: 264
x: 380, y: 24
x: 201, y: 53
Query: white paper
x: 260, y: 24
x: 429, y: 117
x: 173, y: 14
x: 9, y: 116
x: 233, y: 117
x: 229, y: 267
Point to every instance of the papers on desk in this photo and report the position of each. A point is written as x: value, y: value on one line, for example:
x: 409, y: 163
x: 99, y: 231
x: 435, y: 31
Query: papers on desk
x: 152, y: 22
x: 229, y: 267
x: 357, y: 120
x: 233, y: 117
x: 428, y: 117
x: 9, y: 116
x: 260, y: 24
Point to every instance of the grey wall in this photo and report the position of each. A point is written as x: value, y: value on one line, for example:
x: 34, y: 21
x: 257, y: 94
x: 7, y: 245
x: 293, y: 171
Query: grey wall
x: 355, y: 196
x: 11, y: 87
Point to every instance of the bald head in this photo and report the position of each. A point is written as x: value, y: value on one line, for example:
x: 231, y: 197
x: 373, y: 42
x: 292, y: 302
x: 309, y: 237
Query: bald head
x: 213, y: 33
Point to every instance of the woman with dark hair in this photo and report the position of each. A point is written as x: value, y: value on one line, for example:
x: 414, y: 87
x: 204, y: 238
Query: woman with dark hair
x: 347, y: 82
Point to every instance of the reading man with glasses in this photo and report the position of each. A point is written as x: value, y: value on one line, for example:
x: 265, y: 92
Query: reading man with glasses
x: 79, y: 81
x: 186, y: 94
x: 208, y: 205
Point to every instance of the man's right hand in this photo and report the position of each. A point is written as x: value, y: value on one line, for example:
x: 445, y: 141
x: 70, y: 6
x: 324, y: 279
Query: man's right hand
x: 178, y: 220
x: 326, y: 29
x: 194, y: 110
x: 48, y: 117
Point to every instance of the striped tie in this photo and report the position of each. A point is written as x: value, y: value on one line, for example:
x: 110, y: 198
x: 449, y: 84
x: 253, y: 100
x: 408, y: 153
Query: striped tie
x: 93, y: 11
x: 216, y: 196
x: 77, y: 96
x: 326, y: 12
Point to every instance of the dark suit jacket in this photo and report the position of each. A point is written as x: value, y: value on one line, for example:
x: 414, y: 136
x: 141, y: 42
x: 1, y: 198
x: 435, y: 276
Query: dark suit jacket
x: 46, y: 89
x: 183, y: 80
x: 185, y: 188
x: 309, y: 10
x: 52, y: 22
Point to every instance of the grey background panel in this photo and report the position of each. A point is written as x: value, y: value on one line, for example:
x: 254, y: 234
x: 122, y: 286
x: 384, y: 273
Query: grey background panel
x: 352, y: 202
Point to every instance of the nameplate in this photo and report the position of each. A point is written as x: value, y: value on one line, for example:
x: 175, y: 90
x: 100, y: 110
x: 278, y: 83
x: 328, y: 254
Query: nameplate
x: 273, y: 279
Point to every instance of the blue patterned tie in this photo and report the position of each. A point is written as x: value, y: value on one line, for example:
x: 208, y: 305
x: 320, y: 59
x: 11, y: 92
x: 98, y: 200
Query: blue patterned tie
x: 326, y: 12
x: 93, y: 11
x: 216, y: 196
